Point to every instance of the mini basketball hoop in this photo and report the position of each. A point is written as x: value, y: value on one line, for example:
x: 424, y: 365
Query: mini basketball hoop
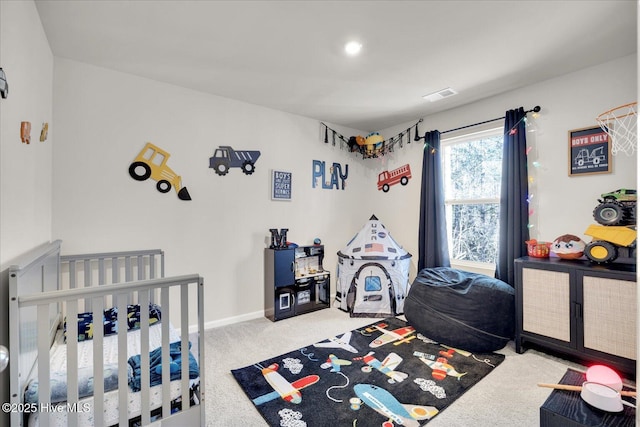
x: 621, y: 125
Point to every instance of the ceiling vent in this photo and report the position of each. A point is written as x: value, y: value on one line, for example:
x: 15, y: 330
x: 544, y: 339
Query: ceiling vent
x: 441, y: 94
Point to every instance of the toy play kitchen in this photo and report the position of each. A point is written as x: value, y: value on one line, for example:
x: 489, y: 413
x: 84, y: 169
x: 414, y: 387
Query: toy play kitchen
x: 295, y: 281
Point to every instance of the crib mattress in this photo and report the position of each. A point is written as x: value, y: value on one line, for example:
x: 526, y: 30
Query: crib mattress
x: 58, y: 362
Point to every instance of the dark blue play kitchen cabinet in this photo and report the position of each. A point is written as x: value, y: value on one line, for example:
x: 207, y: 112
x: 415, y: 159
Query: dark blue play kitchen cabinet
x: 295, y: 281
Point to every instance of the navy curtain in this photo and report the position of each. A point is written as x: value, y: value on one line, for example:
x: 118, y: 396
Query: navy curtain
x: 514, y: 209
x: 432, y: 231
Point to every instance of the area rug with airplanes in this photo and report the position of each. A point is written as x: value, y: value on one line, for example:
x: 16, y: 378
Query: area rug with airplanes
x: 384, y: 374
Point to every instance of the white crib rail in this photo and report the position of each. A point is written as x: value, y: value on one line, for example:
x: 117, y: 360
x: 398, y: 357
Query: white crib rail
x: 143, y: 289
x: 97, y: 269
x: 35, y: 305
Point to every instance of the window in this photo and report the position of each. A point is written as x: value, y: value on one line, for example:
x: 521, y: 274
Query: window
x: 372, y: 284
x: 472, y: 167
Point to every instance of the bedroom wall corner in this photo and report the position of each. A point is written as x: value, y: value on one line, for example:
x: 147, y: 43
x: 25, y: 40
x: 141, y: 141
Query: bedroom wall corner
x: 562, y: 203
x: 222, y: 232
x: 25, y: 170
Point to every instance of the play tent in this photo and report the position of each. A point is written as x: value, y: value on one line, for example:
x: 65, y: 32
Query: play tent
x: 373, y: 273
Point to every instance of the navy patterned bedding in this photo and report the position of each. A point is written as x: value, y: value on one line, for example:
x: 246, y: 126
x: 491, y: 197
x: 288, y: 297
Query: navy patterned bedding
x: 58, y: 378
x: 110, y: 321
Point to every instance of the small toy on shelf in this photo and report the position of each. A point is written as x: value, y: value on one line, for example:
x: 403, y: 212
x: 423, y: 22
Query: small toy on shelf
x: 568, y: 246
x: 616, y: 236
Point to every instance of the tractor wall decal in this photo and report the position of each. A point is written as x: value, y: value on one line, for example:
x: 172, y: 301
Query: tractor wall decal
x: 151, y: 162
x: 225, y: 157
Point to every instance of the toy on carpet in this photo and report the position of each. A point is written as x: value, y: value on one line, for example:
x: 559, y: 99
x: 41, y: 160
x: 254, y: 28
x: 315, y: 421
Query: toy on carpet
x: 373, y: 273
x: 461, y: 309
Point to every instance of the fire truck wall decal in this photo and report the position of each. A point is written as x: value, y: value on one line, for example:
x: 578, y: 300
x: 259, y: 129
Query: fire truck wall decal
x: 400, y: 175
x: 151, y: 162
x: 226, y: 157
x: 336, y: 179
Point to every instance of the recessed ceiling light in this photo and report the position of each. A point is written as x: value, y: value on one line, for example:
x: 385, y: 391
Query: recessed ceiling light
x: 441, y: 94
x: 353, y: 48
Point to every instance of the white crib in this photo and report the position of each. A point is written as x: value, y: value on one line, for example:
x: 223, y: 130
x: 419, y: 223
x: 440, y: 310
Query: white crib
x: 46, y: 287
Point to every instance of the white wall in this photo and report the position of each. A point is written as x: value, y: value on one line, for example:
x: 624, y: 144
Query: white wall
x: 561, y: 204
x: 104, y: 118
x: 25, y: 170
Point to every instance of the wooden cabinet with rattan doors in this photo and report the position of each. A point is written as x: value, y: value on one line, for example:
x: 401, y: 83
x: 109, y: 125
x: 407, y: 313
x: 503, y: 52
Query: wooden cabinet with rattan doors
x: 578, y: 308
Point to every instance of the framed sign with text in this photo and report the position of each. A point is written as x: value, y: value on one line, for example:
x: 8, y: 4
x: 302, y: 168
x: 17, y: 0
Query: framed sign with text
x: 280, y: 185
x: 589, y: 151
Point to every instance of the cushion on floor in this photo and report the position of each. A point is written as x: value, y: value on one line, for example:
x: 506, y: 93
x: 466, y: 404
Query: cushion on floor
x: 460, y: 309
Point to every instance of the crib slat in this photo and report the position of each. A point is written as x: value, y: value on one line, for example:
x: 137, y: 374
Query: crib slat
x: 128, y: 271
x: 166, y: 374
x: 72, y: 274
x: 87, y: 282
x: 152, y: 267
x: 123, y: 388
x: 44, y: 390
x: 143, y: 298
x: 72, y: 360
x: 98, y: 361
x: 141, y: 269
x: 184, y: 338
x: 115, y: 270
x: 102, y: 272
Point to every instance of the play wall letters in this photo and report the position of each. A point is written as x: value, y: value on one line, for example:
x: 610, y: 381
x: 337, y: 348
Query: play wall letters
x: 337, y: 179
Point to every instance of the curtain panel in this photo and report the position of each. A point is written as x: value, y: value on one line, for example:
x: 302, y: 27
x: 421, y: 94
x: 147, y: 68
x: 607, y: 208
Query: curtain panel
x: 514, y: 209
x: 432, y: 232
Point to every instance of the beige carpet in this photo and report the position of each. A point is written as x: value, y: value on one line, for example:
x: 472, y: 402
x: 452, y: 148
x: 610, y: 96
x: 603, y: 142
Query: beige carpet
x: 508, y: 396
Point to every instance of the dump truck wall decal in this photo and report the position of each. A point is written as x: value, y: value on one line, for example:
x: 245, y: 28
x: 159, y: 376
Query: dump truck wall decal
x: 226, y: 157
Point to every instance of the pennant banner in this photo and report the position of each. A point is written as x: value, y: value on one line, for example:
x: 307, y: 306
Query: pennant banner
x: 373, y: 145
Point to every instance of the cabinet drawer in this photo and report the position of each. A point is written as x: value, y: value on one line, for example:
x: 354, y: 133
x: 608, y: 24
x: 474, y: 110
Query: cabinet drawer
x: 546, y: 307
x: 609, y: 315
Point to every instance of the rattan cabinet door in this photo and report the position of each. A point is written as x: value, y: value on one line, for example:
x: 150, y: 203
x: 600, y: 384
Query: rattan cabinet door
x: 546, y: 304
x: 609, y: 315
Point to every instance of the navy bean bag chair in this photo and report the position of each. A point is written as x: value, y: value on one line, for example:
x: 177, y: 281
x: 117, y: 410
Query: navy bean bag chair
x: 469, y: 311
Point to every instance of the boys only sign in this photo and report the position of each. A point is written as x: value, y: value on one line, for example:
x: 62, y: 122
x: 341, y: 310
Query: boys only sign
x: 281, y: 185
x: 589, y: 151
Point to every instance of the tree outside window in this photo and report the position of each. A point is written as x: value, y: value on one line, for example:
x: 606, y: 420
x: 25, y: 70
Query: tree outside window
x: 472, y: 167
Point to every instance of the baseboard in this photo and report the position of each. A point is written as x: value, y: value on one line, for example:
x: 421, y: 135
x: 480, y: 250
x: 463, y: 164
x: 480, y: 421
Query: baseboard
x: 234, y: 319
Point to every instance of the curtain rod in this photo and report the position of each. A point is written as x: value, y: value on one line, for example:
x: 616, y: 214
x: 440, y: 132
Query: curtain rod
x: 535, y: 109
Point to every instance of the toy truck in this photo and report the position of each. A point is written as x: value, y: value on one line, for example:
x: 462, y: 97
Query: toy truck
x: 388, y: 178
x: 226, y: 157
x: 151, y: 162
x: 609, y: 242
x: 616, y: 235
x: 616, y: 208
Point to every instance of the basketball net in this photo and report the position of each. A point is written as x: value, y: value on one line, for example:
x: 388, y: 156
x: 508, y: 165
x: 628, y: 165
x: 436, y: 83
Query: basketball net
x: 621, y: 124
